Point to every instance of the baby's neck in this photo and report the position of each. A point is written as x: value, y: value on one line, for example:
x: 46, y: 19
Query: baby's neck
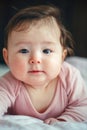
x: 42, y: 87
x: 43, y: 96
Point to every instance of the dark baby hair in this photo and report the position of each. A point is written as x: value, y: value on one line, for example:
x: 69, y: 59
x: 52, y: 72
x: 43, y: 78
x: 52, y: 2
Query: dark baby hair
x: 37, y: 13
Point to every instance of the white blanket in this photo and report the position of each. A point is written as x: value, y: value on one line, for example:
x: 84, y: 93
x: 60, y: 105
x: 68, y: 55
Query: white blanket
x: 29, y: 123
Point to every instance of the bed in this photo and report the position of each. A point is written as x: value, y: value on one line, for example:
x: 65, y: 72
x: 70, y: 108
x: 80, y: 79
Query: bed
x: 17, y: 122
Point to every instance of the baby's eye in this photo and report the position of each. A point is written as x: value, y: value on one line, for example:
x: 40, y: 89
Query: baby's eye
x: 24, y: 51
x: 47, y: 51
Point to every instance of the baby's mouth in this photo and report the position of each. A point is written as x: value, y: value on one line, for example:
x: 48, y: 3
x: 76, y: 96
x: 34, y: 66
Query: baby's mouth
x: 36, y: 71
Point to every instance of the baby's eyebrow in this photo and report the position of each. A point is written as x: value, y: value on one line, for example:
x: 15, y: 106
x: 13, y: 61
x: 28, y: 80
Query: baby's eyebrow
x: 24, y: 42
x: 21, y: 43
x: 49, y: 42
x: 28, y: 43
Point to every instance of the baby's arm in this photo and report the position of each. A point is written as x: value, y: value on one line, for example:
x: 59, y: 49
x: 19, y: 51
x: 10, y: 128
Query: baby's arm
x: 4, y: 102
x: 76, y: 109
x: 6, y: 94
x: 51, y: 121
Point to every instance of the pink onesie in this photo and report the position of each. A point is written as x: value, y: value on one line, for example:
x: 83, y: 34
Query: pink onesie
x: 69, y: 102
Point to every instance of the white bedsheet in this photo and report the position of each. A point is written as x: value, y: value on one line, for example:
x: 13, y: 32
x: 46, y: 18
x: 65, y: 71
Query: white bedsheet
x: 10, y: 122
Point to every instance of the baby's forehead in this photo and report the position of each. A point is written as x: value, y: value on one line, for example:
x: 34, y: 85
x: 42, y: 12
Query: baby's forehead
x: 49, y: 22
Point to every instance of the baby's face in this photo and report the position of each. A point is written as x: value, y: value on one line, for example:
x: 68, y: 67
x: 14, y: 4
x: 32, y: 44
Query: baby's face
x: 35, y: 55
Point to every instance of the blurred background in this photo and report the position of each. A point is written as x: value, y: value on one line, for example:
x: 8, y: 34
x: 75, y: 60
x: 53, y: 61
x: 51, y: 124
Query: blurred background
x: 74, y: 14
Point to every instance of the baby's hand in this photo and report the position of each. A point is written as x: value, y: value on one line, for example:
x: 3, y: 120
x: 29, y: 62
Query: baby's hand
x: 50, y: 121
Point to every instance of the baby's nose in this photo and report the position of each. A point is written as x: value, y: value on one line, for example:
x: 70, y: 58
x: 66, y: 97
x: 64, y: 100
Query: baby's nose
x: 34, y: 61
x: 35, y: 58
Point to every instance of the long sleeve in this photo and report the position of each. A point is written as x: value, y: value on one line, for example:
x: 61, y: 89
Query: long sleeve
x: 76, y: 109
x: 7, y: 93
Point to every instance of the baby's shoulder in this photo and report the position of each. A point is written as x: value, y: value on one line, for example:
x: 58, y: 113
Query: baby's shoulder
x: 9, y: 82
x: 68, y: 72
x: 68, y: 68
x: 8, y: 77
x: 68, y: 76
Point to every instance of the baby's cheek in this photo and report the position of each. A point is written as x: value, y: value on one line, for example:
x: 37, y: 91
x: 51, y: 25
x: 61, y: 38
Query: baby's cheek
x: 17, y: 67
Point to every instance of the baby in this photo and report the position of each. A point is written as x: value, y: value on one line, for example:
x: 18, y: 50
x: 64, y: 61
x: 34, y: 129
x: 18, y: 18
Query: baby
x: 40, y: 83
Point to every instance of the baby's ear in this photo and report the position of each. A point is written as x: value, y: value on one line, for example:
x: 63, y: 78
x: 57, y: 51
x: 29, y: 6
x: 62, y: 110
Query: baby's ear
x: 64, y: 54
x: 5, y: 55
